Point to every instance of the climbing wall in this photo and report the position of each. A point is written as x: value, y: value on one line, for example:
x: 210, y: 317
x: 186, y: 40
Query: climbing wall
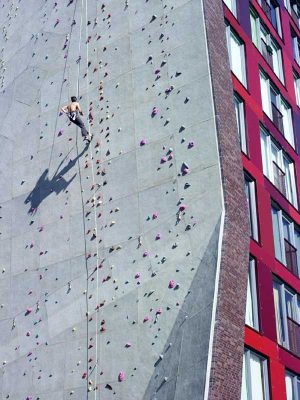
x: 108, y: 251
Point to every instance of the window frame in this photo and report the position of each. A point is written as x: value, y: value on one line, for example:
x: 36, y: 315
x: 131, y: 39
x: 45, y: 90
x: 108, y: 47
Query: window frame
x: 279, y: 104
x: 252, y: 281
x: 249, y: 377
x: 242, y: 50
x: 263, y: 33
x: 295, y: 381
x: 271, y: 3
x: 292, y: 228
x: 252, y: 205
x: 297, y: 86
x: 234, y: 10
x: 282, y: 289
x: 271, y: 143
x: 239, y: 105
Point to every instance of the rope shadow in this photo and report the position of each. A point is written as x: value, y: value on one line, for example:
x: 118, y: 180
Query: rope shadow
x: 44, y: 186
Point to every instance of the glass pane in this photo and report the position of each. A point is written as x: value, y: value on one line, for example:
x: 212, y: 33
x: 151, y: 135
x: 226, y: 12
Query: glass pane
x: 257, y: 379
x: 287, y: 122
x: 278, y: 313
x: 289, y: 387
x: 297, y: 245
x: 276, y: 57
x: 288, y: 179
x: 231, y: 5
x: 276, y: 234
x: 254, y: 29
x: 289, y: 304
x: 264, y: 153
x: 236, y: 56
x: 264, y: 87
x: 286, y: 229
x: 249, y: 307
x: 244, y: 395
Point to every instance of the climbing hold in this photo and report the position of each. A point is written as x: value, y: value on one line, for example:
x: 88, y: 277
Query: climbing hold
x: 172, y: 284
x: 121, y: 376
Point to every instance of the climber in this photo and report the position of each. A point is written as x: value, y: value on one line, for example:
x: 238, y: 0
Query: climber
x: 73, y: 110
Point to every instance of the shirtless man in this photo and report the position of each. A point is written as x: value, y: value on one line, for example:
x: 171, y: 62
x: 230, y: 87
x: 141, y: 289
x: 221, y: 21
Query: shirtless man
x: 73, y: 110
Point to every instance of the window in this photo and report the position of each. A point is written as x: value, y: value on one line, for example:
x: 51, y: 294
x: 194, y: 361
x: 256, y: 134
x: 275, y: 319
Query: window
x: 297, y: 87
x: 255, y: 385
x: 293, y: 7
x: 236, y: 50
x: 240, y: 119
x: 278, y: 167
x: 292, y: 383
x: 286, y: 240
x: 276, y: 108
x: 251, y: 200
x: 287, y: 312
x: 296, y: 46
x: 266, y: 44
x: 272, y: 11
x: 231, y: 4
x: 251, y: 306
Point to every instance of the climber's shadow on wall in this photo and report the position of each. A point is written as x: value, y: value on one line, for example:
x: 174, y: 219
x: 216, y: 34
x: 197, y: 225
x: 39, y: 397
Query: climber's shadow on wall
x: 57, y: 184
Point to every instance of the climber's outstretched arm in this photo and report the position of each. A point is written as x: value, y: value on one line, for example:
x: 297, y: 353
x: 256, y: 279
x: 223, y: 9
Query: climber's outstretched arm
x: 65, y: 109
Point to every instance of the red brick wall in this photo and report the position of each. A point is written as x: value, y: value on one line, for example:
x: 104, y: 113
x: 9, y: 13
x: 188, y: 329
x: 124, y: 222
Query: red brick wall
x: 228, y: 341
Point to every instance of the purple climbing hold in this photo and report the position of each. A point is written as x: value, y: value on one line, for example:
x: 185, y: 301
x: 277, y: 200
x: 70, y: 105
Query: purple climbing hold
x: 158, y: 236
x: 182, y: 207
x: 155, y: 215
x: 172, y: 284
x: 191, y: 144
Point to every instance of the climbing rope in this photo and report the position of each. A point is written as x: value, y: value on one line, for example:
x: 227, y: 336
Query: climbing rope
x: 94, y: 195
x: 83, y: 206
x: 61, y: 87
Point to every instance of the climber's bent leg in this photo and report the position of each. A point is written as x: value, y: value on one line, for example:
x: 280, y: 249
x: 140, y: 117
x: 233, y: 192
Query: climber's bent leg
x: 74, y: 117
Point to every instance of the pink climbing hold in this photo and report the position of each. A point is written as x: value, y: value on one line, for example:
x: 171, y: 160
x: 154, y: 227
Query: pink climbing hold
x: 186, y: 171
x: 183, y: 207
x: 163, y: 160
x: 157, y: 71
x: 146, y: 318
x: 128, y: 344
x: 121, y: 376
x: 61, y: 131
x: 28, y: 333
x: 146, y: 253
x: 155, y: 111
x: 158, y: 236
x: 28, y: 311
x: 155, y: 215
x: 159, y: 311
x: 137, y: 275
x: 191, y: 144
x: 29, y: 398
x: 172, y: 284
x: 171, y: 156
x: 143, y: 142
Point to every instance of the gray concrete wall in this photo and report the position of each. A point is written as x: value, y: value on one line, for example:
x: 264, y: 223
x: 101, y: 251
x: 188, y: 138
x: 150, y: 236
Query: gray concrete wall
x: 92, y: 236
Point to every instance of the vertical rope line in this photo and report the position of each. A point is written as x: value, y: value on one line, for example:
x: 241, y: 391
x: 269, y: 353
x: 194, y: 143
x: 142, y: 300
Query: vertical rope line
x: 94, y: 195
x: 83, y: 210
x: 61, y: 88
